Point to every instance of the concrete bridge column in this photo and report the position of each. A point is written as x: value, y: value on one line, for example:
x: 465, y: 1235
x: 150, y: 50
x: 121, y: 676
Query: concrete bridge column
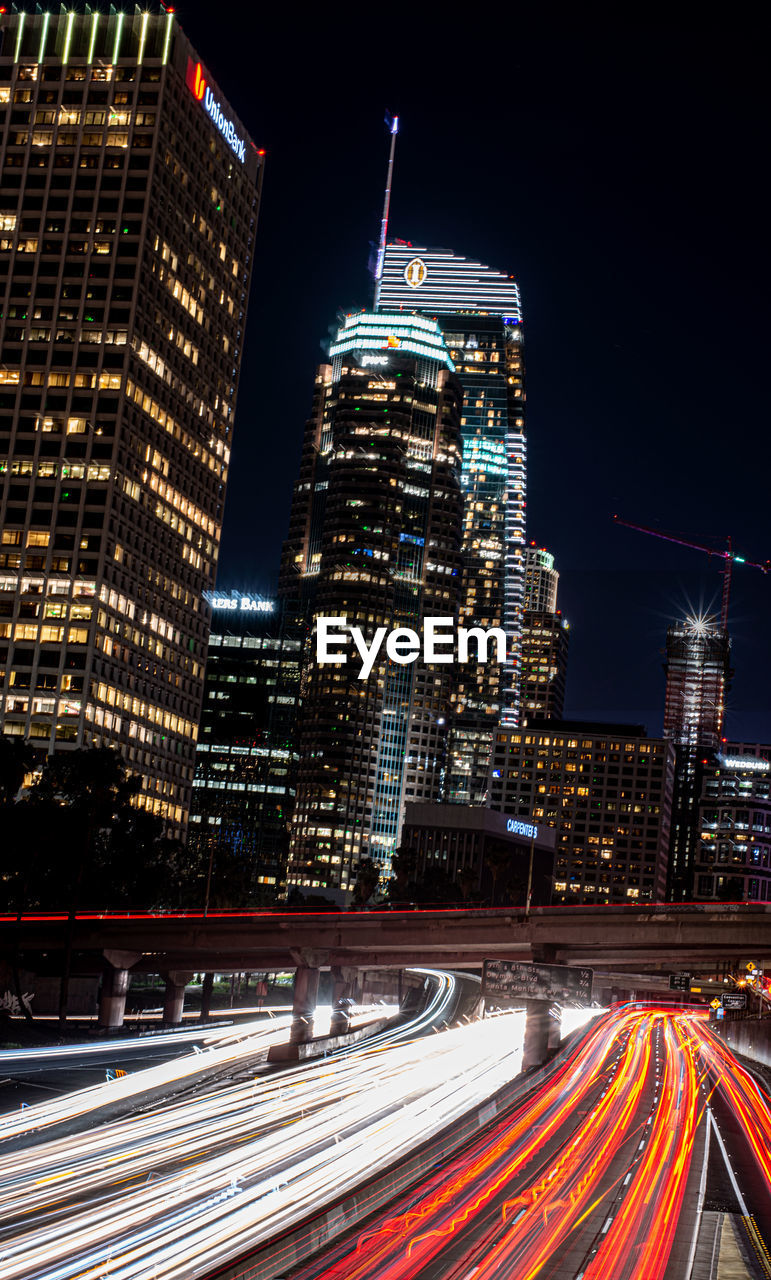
x: 306, y: 989
x: 112, y: 999
x: 343, y: 987
x: 537, y: 1026
x: 555, y: 1032
x: 115, y: 985
x: 206, y: 994
x: 174, y: 999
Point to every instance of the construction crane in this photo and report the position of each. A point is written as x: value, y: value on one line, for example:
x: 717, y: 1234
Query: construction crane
x: 729, y: 558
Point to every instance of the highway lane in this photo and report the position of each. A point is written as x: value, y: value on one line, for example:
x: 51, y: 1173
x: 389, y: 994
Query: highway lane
x: 594, y: 1176
x: 173, y: 1191
x: 30, y: 1075
x: 591, y: 1175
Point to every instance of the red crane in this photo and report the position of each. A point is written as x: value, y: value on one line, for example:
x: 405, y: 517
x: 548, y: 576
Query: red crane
x: 728, y: 557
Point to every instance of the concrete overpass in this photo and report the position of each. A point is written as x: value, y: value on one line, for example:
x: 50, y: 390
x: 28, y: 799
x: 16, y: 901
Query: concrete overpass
x: 652, y: 938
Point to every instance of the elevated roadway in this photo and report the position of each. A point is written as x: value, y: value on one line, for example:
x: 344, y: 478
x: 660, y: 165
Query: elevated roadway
x: 655, y: 936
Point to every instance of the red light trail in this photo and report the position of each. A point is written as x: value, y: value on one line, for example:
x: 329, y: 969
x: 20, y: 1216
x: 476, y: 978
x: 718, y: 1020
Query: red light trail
x: 597, y: 1161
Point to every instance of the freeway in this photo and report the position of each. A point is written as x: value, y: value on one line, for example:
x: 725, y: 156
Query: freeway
x: 598, y: 1175
x: 601, y: 1166
x: 181, y: 1188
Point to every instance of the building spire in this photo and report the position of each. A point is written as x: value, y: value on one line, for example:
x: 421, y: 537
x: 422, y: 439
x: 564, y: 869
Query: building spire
x: 393, y: 125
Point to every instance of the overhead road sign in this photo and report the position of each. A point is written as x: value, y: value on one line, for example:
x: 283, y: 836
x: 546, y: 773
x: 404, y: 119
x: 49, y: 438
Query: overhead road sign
x: 512, y: 980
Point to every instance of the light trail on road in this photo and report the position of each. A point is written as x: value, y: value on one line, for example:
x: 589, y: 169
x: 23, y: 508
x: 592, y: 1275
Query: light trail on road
x: 186, y: 1221
x: 593, y: 1168
x: 238, y: 1188
x: 225, y: 1049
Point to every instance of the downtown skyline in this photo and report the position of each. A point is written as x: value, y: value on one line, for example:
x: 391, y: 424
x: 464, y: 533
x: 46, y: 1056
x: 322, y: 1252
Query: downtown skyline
x: 639, y: 280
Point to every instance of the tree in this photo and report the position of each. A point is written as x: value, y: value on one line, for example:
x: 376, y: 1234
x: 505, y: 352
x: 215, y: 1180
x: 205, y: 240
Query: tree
x: 77, y: 840
x: 367, y: 879
x: 17, y: 758
x: 402, y: 886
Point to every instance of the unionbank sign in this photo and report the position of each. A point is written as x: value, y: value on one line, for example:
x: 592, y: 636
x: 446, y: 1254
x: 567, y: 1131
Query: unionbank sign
x: 199, y: 87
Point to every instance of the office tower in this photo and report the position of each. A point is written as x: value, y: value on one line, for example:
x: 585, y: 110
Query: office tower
x: 246, y: 759
x: 732, y: 860
x: 545, y: 638
x: 607, y: 789
x: 480, y: 314
x: 374, y: 538
x: 128, y: 206
x: 545, y: 635
x: 541, y: 580
x: 698, y: 679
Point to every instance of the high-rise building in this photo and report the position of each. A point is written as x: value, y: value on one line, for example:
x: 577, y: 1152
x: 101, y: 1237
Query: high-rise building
x: 545, y: 635
x: 698, y: 678
x: 246, y: 759
x: 545, y: 639
x: 732, y: 859
x: 129, y: 194
x: 374, y: 538
x: 479, y: 311
x: 541, y: 580
x: 607, y: 789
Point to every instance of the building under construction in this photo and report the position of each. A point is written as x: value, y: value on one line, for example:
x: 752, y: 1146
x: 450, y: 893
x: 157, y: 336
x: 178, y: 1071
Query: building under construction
x: 698, y: 679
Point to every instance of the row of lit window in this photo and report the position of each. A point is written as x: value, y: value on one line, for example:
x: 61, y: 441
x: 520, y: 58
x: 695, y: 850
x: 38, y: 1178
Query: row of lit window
x: 216, y: 460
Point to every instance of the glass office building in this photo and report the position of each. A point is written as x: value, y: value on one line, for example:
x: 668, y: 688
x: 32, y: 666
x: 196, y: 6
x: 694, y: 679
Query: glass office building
x: 129, y: 194
x: 479, y: 313
x: 374, y: 539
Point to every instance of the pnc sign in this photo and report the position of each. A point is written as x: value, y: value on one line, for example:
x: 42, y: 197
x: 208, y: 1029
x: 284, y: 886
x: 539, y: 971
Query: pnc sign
x: 199, y: 87
x: 415, y: 272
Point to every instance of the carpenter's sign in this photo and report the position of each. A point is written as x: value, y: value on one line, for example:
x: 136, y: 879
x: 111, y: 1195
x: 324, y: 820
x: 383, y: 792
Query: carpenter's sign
x: 512, y: 980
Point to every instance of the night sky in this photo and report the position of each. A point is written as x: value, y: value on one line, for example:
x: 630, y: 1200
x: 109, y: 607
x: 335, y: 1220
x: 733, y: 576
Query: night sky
x: 617, y: 171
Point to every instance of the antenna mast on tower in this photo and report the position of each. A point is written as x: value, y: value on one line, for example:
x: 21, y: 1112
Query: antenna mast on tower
x: 393, y: 125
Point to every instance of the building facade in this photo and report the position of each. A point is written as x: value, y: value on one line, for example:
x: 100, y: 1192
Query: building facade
x: 487, y: 855
x: 545, y: 638
x: 374, y: 539
x: 607, y: 790
x: 129, y: 195
x: 479, y: 311
x: 733, y: 850
x: 541, y: 580
x: 698, y: 679
x: 545, y: 635
x: 246, y: 759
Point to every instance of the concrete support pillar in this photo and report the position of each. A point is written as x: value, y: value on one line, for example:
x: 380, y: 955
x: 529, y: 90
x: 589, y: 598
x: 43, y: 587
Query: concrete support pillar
x: 207, y: 987
x: 174, y: 999
x: 343, y: 982
x: 112, y: 999
x: 115, y: 985
x: 306, y: 989
x: 555, y: 1032
x: 536, y: 1048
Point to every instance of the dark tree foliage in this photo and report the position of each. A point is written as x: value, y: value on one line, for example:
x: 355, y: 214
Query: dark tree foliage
x: 367, y: 877
x: 76, y: 842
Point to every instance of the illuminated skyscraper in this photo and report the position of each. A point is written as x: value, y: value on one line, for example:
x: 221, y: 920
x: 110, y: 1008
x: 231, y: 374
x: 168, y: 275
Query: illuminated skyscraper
x: 698, y: 678
x: 732, y: 859
x: 374, y: 538
x: 541, y: 579
x: 246, y: 761
x: 545, y: 635
x: 128, y: 206
x: 479, y: 312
